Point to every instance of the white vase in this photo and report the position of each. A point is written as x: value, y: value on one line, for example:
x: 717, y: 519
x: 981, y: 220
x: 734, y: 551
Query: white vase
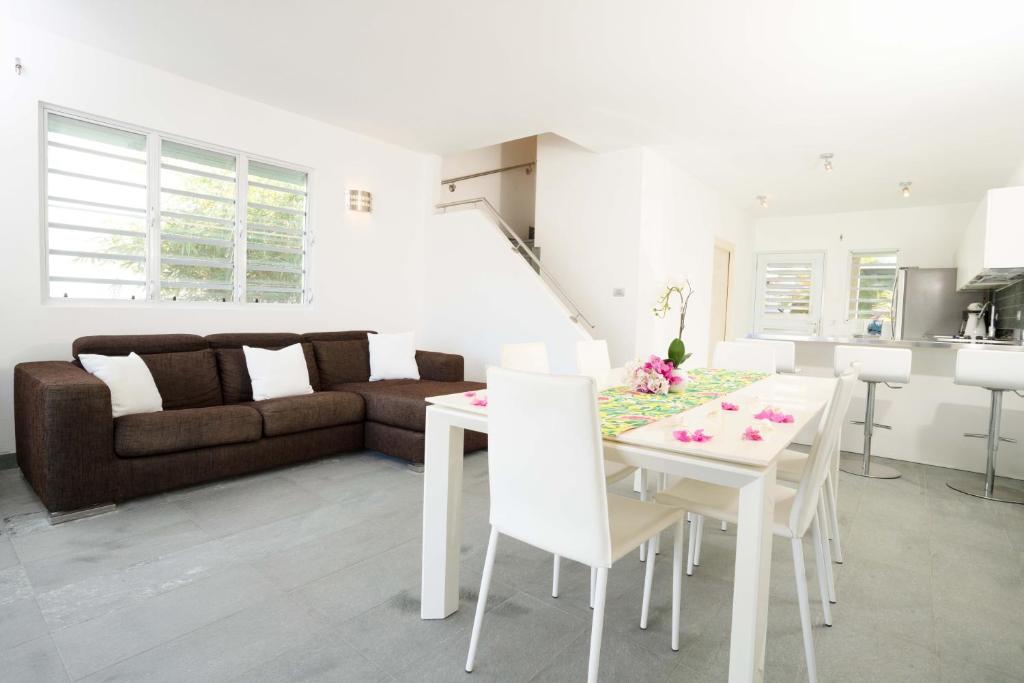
x: 678, y: 387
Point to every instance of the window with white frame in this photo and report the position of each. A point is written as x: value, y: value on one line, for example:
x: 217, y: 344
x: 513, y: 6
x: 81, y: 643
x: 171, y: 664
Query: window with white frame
x: 132, y: 214
x: 788, y: 298
x: 872, y: 281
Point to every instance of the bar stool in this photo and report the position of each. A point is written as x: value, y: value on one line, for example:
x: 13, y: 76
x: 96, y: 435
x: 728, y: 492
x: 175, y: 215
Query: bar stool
x: 785, y: 352
x: 999, y: 372
x: 878, y: 366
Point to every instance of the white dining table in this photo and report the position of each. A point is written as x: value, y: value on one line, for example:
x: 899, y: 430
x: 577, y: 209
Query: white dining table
x: 727, y: 459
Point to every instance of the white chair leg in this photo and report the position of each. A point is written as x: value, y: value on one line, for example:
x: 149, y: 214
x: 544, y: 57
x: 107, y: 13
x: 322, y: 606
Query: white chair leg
x: 826, y: 550
x: 643, y: 498
x: 554, y: 577
x: 693, y: 545
x: 648, y: 581
x: 725, y: 526
x: 819, y: 559
x: 805, y: 608
x: 597, y: 624
x: 481, y: 602
x: 677, y: 582
x: 830, y: 503
x: 593, y: 585
x: 700, y: 540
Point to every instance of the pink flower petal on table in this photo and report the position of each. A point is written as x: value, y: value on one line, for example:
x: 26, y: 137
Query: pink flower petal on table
x: 470, y: 393
x: 765, y: 414
x: 699, y: 436
x: 682, y: 435
x: 482, y: 402
x: 751, y: 434
x: 729, y: 406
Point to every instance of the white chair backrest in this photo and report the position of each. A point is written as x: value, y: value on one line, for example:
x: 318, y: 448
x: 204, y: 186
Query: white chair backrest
x: 740, y: 356
x: 876, y: 364
x: 592, y: 360
x: 990, y: 369
x: 826, y: 441
x: 785, y: 352
x: 529, y: 357
x: 546, y: 464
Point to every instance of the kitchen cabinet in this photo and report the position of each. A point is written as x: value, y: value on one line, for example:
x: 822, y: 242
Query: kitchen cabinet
x: 991, y: 251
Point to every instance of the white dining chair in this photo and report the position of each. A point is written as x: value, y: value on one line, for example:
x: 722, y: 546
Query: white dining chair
x: 785, y: 352
x: 743, y: 356
x: 533, y: 357
x: 736, y: 355
x: 796, y: 510
x: 544, y: 431
x: 527, y: 357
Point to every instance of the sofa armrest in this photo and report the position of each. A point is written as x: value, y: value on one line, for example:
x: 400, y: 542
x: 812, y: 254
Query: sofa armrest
x: 64, y: 435
x: 440, y: 367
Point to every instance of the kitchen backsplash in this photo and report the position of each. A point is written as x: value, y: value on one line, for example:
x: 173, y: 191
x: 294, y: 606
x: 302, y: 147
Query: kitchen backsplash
x: 1009, y: 303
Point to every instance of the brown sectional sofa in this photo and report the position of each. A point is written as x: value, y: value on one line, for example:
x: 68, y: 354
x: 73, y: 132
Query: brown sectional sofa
x: 77, y: 456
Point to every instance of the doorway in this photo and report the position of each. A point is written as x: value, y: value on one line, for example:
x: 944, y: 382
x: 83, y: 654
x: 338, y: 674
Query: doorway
x: 721, y: 289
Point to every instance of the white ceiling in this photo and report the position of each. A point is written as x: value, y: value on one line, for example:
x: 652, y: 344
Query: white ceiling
x: 744, y: 93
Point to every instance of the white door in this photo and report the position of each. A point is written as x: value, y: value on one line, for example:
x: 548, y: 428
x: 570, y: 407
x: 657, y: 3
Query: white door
x: 720, y: 279
x: 788, y: 299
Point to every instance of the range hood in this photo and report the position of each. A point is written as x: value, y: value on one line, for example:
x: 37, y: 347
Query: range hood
x: 994, y: 277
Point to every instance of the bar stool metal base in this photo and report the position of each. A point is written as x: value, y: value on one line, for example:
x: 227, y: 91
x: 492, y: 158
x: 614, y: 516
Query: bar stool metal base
x: 865, y: 467
x: 985, y: 486
x: 975, y: 486
x: 852, y: 464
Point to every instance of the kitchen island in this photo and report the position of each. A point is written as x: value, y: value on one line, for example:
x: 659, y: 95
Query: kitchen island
x: 930, y: 414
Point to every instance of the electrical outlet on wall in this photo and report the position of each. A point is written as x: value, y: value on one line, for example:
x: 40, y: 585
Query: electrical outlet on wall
x: 618, y: 291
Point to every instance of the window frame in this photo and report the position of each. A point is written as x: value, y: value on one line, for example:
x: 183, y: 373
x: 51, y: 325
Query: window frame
x: 154, y: 138
x: 813, y: 320
x: 850, y: 256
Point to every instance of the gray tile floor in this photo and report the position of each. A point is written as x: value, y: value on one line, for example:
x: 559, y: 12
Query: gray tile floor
x: 312, y: 574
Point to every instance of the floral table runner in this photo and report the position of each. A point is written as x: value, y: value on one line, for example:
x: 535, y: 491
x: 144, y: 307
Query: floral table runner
x: 622, y: 409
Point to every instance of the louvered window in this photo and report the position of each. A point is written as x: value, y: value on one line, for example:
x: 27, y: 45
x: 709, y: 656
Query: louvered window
x: 197, y: 223
x: 872, y: 280
x: 275, y: 234
x: 95, y: 210
x: 134, y: 215
x: 789, y: 293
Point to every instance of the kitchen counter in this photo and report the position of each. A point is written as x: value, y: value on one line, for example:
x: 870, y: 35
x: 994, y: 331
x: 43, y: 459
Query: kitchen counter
x: 892, y: 343
x: 930, y: 414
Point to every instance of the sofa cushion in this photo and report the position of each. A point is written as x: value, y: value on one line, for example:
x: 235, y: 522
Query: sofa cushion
x: 181, y: 430
x: 342, y: 361
x: 123, y: 344
x: 187, y: 379
x: 234, y: 373
x: 348, y: 335
x: 264, y: 340
x: 401, y: 402
x: 313, y: 411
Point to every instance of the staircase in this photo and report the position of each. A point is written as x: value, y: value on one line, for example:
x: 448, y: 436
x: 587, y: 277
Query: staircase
x: 529, y: 251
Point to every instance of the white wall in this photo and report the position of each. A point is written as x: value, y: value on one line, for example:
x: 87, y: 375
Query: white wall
x: 588, y: 229
x: 927, y: 237
x: 366, y: 269
x: 681, y: 219
x: 634, y: 219
x: 512, y: 193
x: 479, y: 294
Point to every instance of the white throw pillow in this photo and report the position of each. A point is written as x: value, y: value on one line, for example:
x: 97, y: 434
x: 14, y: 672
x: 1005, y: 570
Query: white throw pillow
x: 277, y: 373
x: 392, y: 356
x: 132, y: 389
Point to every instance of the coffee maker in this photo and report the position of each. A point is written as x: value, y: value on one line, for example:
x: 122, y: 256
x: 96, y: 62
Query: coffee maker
x: 973, y: 323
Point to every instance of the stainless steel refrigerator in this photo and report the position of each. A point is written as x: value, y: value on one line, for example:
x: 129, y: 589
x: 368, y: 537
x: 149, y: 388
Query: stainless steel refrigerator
x: 926, y: 303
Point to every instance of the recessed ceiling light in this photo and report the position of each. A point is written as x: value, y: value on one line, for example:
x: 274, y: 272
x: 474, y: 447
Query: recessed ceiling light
x: 827, y: 161
x: 762, y: 200
x: 905, y: 188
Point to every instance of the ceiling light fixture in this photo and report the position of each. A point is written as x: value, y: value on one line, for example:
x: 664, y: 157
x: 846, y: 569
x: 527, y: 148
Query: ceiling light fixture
x: 827, y: 161
x: 905, y: 188
x: 762, y: 200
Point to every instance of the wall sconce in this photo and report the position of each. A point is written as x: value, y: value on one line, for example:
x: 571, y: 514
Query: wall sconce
x: 360, y: 200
